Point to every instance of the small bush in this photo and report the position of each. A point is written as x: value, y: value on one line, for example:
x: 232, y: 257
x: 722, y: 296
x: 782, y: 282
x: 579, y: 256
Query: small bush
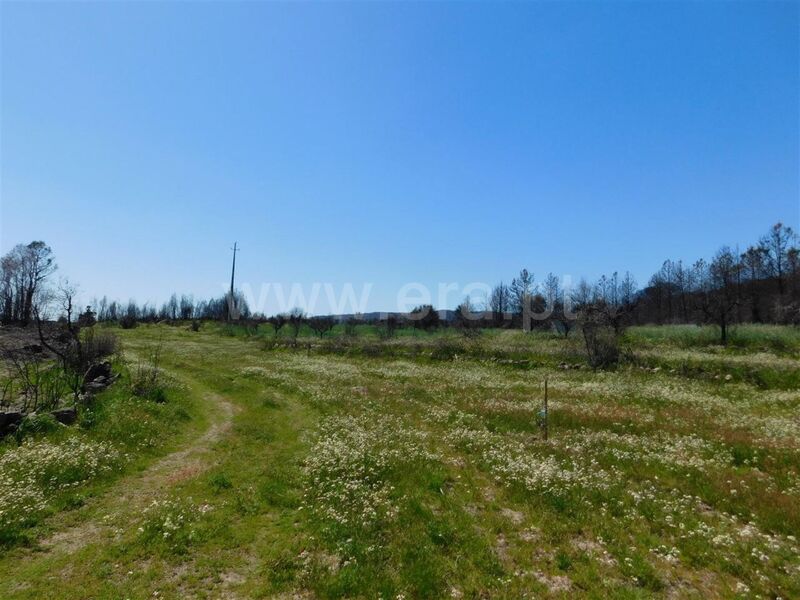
x: 128, y: 322
x: 36, y: 425
x: 147, y: 381
x: 34, y: 384
x: 97, y: 345
x: 602, y: 346
x: 219, y: 482
x: 444, y: 350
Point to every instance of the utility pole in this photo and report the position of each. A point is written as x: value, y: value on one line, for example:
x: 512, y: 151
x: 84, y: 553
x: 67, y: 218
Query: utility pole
x: 546, y: 412
x: 231, y: 298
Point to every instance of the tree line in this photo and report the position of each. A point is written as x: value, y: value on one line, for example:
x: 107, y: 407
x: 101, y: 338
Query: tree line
x: 177, y: 308
x: 759, y: 284
x: 25, y: 292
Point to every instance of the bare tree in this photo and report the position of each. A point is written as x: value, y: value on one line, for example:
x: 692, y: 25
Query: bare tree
x: 467, y: 319
x: 113, y: 311
x: 521, y: 291
x: 67, y: 346
x: 717, y: 291
x: 297, y: 317
x: 321, y: 325
x: 500, y: 302
x: 186, y: 307
x: 561, y: 317
x: 350, y: 326
x: 776, y: 245
x: 552, y: 290
x: 603, y: 320
x: 626, y: 291
x: 582, y: 295
x: 683, y: 284
x: 38, y: 264
x: 278, y: 322
x: 793, y: 262
x: 614, y: 301
x: 24, y: 271
x: 753, y: 262
x: 8, y: 271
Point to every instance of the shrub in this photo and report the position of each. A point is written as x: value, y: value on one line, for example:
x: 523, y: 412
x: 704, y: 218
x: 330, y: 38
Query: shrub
x: 388, y: 327
x: 219, y: 482
x: 97, y: 345
x: 34, y: 383
x: 444, y: 350
x: 350, y: 326
x: 602, y: 346
x: 424, y: 317
x: 36, y: 425
x: 87, y: 318
x: 147, y: 381
x: 7, y: 393
x: 128, y: 322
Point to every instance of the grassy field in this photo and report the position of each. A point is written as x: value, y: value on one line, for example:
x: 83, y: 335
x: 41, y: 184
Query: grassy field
x: 415, y: 467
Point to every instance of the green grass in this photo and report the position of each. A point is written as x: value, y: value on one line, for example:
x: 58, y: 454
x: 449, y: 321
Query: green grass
x: 748, y: 337
x: 414, y: 467
x: 50, y: 467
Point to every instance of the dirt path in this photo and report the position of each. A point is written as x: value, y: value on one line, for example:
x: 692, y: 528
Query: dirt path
x: 129, y: 496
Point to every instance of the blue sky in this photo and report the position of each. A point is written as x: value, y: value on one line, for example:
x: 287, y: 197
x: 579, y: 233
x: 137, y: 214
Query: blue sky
x: 392, y: 142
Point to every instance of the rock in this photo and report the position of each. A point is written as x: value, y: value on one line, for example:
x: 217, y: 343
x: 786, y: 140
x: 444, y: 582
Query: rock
x: 9, y: 422
x: 10, y: 418
x: 656, y: 369
x: 67, y: 416
x: 514, y: 516
x: 33, y: 348
x: 102, y: 369
x: 728, y: 377
x: 94, y: 388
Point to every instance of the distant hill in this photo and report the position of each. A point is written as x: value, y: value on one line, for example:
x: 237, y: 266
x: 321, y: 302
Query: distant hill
x: 371, y: 317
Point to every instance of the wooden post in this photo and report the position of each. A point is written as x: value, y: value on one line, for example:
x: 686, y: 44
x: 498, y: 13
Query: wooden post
x: 546, y: 415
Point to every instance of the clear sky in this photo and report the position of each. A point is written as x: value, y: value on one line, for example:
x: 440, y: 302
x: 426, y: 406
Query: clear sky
x: 392, y: 142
